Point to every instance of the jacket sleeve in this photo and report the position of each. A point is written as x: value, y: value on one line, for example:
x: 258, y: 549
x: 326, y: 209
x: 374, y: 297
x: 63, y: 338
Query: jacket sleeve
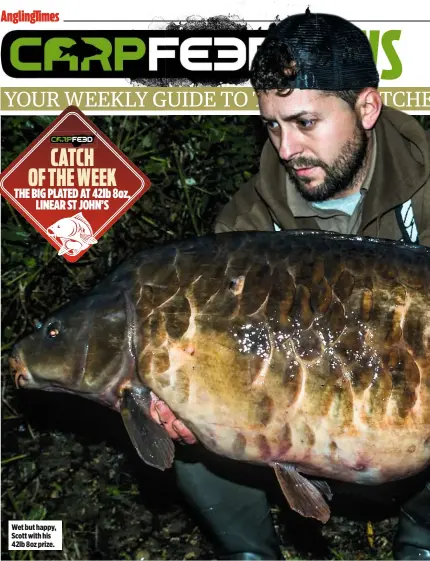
x: 425, y: 229
x: 423, y: 216
x: 425, y: 237
x: 245, y: 211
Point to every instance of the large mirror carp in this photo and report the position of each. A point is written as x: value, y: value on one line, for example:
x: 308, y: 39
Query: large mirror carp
x: 305, y: 351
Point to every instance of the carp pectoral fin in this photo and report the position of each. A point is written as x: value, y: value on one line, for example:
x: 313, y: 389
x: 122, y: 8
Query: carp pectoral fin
x: 151, y: 441
x: 303, y: 495
x: 324, y: 487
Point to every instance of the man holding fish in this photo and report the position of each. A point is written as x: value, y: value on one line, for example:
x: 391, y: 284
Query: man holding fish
x: 336, y: 160
x: 301, y: 344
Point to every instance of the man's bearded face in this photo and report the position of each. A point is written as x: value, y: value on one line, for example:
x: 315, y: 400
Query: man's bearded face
x: 339, y: 175
x: 319, y: 138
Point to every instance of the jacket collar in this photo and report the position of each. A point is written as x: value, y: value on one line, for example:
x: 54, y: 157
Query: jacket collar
x: 402, y: 163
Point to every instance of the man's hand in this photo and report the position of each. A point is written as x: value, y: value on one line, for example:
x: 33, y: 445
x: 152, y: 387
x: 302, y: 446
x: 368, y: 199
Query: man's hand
x: 163, y: 415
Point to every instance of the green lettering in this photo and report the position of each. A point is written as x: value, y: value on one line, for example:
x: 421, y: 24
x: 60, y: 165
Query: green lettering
x: 105, y: 48
x: 396, y: 64
x: 135, y: 54
x: 374, y: 43
x: 57, y: 49
x: 14, y: 53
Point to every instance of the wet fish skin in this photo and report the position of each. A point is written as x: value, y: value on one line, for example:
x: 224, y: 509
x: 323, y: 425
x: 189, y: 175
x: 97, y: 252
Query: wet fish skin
x: 299, y: 348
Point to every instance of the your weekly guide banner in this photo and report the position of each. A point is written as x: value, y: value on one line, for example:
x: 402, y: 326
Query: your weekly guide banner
x: 178, y: 58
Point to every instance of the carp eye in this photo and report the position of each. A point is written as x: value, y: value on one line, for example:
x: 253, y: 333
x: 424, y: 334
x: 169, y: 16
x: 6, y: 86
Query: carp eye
x: 53, y: 329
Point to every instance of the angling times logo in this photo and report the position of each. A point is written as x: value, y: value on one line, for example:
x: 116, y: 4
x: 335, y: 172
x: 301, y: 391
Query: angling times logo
x: 36, y: 16
x: 72, y: 184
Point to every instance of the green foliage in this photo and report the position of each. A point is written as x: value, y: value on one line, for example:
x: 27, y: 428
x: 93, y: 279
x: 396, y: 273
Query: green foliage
x: 195, y: 163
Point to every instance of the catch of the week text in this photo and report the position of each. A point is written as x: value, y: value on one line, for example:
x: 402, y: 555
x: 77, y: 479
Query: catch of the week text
x: 96, y: 183
x: 64, y: 176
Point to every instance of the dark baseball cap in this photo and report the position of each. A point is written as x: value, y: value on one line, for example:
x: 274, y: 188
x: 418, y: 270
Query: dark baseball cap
x: 329, y: 53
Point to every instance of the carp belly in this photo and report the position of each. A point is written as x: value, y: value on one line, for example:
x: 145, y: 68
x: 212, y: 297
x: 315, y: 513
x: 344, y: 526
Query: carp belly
x: 271, y: 418
x: 306, y: 351
x: 319, y: 359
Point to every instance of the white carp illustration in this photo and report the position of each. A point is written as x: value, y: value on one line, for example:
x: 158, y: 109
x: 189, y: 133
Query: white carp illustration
x: 75, y: 234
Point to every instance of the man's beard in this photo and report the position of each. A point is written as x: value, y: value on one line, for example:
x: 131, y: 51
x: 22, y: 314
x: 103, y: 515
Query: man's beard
x: 340, y: 175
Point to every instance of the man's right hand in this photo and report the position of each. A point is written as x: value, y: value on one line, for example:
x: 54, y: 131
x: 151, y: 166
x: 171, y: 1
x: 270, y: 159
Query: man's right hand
x: 163, y: 415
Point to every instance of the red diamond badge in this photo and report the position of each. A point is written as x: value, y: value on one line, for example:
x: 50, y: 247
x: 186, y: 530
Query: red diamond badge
x: 72, y: 183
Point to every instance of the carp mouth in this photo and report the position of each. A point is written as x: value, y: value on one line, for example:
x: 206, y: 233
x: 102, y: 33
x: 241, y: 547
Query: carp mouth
x: 19, y: 371
x: 22, y: 375
x: 25, y: 380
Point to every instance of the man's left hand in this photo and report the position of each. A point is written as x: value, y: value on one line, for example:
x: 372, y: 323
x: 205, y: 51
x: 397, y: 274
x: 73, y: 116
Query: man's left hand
x: 163, y: 415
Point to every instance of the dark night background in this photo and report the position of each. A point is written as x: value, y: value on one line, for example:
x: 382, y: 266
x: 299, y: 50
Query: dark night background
x: 67, y: 459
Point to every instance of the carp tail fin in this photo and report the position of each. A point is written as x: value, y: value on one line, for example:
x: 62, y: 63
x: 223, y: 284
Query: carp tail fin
x: 303, y: 495
x: 88, y: 239
x: 150, y: 440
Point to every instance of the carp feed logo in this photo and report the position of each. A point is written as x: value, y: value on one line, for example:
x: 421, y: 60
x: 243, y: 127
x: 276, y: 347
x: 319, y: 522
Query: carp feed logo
x: 203, y: 55
x: 69, y: 184
x: 194, y: 54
